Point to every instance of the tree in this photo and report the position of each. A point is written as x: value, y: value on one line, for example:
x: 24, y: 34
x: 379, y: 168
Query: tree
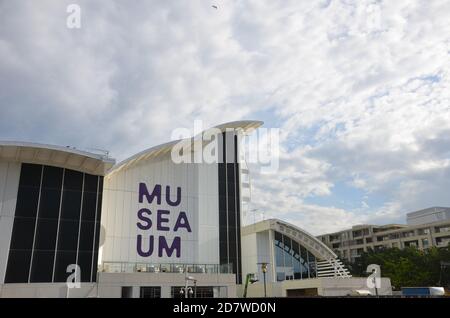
x: 407, y: 267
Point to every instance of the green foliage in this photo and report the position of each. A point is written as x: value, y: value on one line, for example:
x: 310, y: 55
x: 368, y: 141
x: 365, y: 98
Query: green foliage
x: 408, y: 267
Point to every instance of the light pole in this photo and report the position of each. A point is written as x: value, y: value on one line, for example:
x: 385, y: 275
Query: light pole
x: 264, y: 271
x: 188, y: 290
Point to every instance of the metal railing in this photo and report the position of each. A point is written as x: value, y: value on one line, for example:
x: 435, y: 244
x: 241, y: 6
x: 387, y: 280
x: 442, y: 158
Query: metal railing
x: 125, y: 267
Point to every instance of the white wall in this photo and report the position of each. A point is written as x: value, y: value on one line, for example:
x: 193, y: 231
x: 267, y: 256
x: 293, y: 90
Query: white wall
x: 9, y: 185
x: 258, y: 250
x: 250, y: 255
x: 199, y: 188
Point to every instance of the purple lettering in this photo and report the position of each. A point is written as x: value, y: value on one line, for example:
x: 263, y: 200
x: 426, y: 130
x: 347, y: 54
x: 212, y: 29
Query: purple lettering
x: 169, y: 202
x: 141, y: 216
x: 176, y: 245
x: 143, y: 191
x: 150, y: 248
x: 182, y: 221
x: 160, y: 220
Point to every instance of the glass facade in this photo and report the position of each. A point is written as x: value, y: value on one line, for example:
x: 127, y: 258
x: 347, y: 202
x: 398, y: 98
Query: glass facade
x: 56, y: 223
x: 150, y: 292
x: 292, y: 260
x: 229, y: 208
x: 197, y: 292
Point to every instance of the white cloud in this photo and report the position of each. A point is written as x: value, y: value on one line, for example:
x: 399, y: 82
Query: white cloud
x: 361, y: 89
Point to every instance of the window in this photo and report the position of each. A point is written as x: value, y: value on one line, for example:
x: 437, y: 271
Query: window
x: 18, y: 266
x: 194, y: 292
x: 443, y: 229
x: 424, y: 231
x: 45, y: 237
x: 293, y: 261
x: 50, y: 193
x: 229, y: 206
x: 411, y: 244
x: 127, y: 292
x: 150, y: 292
x: 42, y: 269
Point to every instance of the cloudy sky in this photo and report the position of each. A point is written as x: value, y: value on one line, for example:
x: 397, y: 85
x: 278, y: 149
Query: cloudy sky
x: 360, y: 91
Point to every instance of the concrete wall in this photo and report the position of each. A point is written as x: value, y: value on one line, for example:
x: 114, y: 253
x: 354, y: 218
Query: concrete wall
x: 46, y: 291
x: 330, y: 287
x: 9, y: 185
x: 111, y: 283
x: 110, y: 286
x: 342, y: 286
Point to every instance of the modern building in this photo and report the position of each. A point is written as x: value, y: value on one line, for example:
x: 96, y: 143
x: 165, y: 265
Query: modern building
x: 430, y: 215
x: 298, y: 264
x: 50, y: 203
x: 350, y: 244
x: 163, y: 223
x: 145, y: 227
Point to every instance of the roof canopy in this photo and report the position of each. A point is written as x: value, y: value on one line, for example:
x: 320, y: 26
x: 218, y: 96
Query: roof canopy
x: 315, y: 246
x: 246, y: 126
x: 65, y: 157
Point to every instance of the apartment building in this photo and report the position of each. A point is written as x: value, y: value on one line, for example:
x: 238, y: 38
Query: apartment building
x: 350, y: 244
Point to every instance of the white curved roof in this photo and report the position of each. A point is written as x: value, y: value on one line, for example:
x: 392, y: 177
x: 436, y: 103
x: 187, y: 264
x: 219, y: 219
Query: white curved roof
x: 65, y: 157
x: 245, y: 125
x: 314, y: 245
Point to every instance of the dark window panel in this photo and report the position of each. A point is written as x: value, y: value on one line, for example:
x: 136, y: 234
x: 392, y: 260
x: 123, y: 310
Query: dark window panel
x: 150, y: 292
x: 27, y: 202
x: 89, y: 206
x: 73, y: 180
x: 90, y: 183
x: 87, y: 236
x: 99, y: 199
x: 296, y: 248
x: 223, y: 218
x: 50, y: 197
x: 231, y: 199
x: 239, y: 256
x: 23, y: 233
x: 97, y: 235
x: 223, y: 249
x: 224, y: 147
x: 68, y: 235
x: 94, y: 266
x: 46, y: 234
x: 42, y: 266
x: 18, y: 266
x: 230, y: 172
x: 287, y: 243
x: 71, y: 205
x: 49, y: 203
x: 52, y: 178
x: 223, y: 189
x: 85, y: 263
x: 63, y: 260
x: 278, y: 236
x: 30, y: 175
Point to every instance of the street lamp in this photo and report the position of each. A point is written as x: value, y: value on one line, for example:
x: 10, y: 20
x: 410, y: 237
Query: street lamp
x: 264, y: 271
x: 188, y: 290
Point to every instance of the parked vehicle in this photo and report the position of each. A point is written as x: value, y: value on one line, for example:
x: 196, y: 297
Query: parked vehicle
x: 423, y: 291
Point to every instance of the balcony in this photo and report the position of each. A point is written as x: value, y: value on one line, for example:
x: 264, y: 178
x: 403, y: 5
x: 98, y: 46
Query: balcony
x: 123, y: 267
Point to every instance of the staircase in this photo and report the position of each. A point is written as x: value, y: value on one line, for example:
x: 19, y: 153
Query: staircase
x: 332, y: 267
